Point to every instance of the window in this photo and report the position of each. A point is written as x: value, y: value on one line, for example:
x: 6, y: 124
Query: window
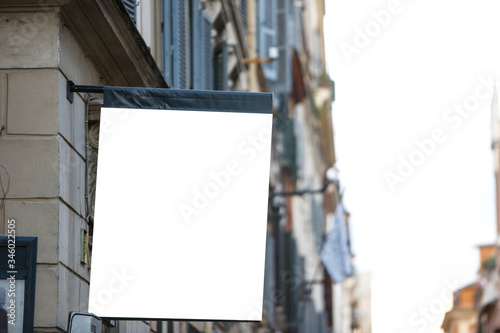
x: 17, y: 279
x: 272, y: 24
x: 267, y: 35
x: 187, y: 45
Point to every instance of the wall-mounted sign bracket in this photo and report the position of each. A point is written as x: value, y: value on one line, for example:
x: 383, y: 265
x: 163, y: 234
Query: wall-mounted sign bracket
x: 71, y: 88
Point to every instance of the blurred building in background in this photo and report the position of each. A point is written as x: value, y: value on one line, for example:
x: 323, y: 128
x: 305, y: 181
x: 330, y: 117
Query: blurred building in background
x: 476, y: 307
x: 490, y: 312
x: 362, y: 320
x: 49, y: 144
x: 487, y: 289
x: 488, y: 306
x: 473, y: 304
x: 462, y: 318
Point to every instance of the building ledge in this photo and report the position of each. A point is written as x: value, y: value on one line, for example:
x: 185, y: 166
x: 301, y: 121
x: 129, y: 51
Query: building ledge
x: 110, y: 37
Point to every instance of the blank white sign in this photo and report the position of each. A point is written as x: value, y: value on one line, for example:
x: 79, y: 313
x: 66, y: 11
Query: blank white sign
x: 180, y: 215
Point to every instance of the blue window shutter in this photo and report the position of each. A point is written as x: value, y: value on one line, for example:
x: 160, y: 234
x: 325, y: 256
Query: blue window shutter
x: 202, y: 49
x: 207, y: 65
x: 174, y: 43
x: 267, y: 35
x: 242, y: 7
x: 167, y: 45
x: 283, y: 63
x: 220, y: 67
x: 179, y: 41
x: 131, y: 9
x: 196, y: 45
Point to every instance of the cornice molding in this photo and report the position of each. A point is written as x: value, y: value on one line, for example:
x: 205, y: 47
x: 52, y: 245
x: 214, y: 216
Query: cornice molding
x: 109, y: 35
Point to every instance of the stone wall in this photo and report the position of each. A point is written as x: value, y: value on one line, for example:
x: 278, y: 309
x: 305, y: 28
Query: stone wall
x: 43, y: 150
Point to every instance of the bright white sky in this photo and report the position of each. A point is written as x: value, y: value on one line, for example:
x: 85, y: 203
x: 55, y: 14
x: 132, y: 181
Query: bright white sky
x: 422, y: 237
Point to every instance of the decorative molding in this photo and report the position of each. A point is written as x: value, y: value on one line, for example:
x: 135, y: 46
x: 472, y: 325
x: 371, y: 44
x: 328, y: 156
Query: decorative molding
x: 93, y: 137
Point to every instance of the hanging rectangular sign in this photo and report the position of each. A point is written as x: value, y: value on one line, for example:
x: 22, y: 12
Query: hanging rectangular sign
x: 181, y: 205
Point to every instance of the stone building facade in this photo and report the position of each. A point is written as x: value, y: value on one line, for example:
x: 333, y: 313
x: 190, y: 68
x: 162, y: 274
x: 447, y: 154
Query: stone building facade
x: 46, y: 143
x: 49, y: 144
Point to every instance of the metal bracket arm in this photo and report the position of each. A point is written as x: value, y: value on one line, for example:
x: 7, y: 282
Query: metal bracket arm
x: 71, y: 88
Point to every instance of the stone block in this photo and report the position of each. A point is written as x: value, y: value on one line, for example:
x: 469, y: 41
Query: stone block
x: 62, y: 298
x: 69, y: 295
x: 72, y: 177
x: 37, y: 219
x: 70, y: 243
x: 29, y: 39
x: 3, y: 101
x: 71, y: 118
x: 72, y: 53
x: 46, y: 295
x: 33, y: 166
x: 2, y: 222
x: 84, y: 296
x: 66, y: 235
x: 32, y: 106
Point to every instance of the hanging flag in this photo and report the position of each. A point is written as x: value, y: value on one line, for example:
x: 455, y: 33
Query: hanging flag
x: 336, y: 254
x: 181, y: 205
